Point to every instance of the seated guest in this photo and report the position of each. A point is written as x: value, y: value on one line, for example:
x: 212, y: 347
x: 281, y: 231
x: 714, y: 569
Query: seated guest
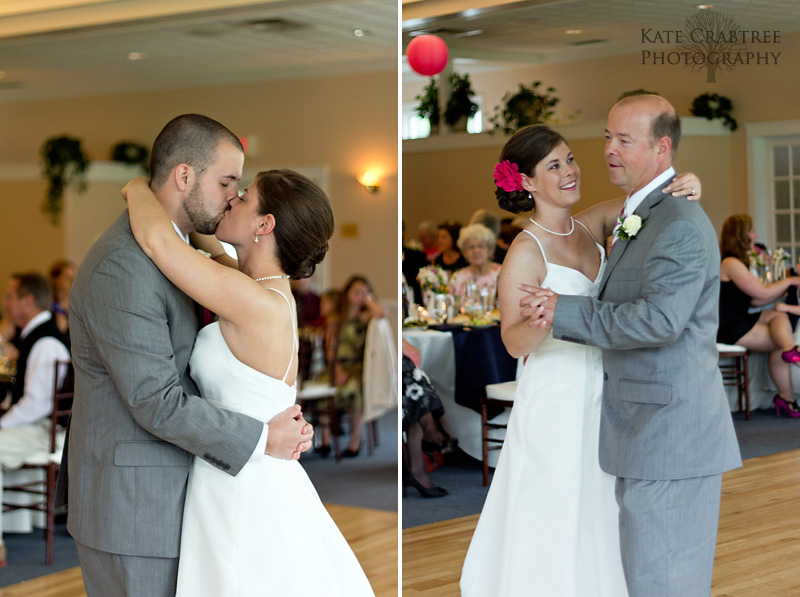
x: 428, y: 234
x: 768, y: 331
x: 477, y: 244
x: 413, y: 261
x: 508, y: 232
x: 492, y: 222
x: 423, y: 421
x: 307, y: 304
x: 25, y: 427
x: 357, y: 306
x: 62, y: 272
x: 450, y: 257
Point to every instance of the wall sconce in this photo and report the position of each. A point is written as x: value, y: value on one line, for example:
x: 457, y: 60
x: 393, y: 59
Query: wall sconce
x: 370, y: 181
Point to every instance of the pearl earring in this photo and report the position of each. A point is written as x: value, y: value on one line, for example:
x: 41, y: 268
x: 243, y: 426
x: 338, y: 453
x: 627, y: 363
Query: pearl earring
x: 256, y: 239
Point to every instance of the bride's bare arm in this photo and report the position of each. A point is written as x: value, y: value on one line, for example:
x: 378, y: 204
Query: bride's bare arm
x: 224, y: 290
x: 523, y: 265
x: 601, y: 218
x: 210, y: 244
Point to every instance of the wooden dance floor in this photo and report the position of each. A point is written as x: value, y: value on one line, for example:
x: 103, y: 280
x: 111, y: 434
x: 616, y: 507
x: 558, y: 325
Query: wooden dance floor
x: 371, y: 533
x: 758, y: 545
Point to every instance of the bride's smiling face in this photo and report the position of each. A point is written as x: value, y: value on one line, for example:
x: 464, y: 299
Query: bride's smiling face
x: 557, y: 178
x: 238, y: 224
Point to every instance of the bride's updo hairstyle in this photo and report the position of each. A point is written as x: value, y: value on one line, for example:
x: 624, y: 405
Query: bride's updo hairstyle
x: 525, y: 149
x: 303, y: 219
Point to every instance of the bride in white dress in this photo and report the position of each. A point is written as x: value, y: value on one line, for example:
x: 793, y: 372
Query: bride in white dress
x: 264, y: 531
x: 549, y: 526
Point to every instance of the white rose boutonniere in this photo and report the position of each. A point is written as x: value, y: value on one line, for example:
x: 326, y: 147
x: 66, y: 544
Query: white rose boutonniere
x: 629, y: 227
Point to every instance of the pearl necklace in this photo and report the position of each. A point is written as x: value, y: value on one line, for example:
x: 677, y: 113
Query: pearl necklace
x: 271, y: 278
x: 571, y: 230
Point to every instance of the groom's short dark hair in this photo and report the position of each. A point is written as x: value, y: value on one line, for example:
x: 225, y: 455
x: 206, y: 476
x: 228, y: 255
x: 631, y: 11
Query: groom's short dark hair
x: 668, y: 124
x: 190, y: 139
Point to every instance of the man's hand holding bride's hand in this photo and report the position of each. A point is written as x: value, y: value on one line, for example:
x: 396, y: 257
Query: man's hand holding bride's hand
x: 289, y: 434
x: 538, y: 305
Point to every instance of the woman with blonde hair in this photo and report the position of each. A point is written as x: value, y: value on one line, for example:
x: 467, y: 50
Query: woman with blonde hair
x: 766, y: 331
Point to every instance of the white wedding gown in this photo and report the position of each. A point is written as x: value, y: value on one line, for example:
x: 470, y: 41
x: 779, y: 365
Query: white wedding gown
x: 549, y: 526
x: 265, y: 531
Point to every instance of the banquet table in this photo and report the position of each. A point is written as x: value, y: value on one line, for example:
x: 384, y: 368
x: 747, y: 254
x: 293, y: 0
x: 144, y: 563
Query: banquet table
x: 460, y: 363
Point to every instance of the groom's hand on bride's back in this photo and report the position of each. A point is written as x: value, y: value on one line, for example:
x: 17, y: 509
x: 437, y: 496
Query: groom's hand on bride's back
x: 289, y: 434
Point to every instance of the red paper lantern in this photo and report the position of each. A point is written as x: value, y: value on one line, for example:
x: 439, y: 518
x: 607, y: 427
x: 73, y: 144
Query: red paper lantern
x: 427, y: 55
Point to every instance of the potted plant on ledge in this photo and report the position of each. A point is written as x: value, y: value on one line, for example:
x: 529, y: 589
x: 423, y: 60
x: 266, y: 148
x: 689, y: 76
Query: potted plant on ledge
x: 63, y: 162
x: 528, y: 105
x: 429, y: 105
x: 460, y: 106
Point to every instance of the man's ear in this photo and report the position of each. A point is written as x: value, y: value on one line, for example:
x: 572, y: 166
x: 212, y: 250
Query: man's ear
x: 664, y: 147
x: 183, y: 177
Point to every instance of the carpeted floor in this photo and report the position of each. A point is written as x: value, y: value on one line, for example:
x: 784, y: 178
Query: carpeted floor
x: 364, y: 482
x: 461, y: 475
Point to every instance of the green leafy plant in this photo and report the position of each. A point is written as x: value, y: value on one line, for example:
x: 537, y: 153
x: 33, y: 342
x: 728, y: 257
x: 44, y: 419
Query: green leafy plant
x: 63, y: 162
x: 429, y: 103
x: 712, y: 105
x: 460, y: 104
x: 130, y: 152
x: 528, y: 105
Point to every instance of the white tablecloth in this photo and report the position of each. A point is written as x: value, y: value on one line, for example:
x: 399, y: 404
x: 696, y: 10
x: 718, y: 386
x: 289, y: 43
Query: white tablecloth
x: 438, y: 361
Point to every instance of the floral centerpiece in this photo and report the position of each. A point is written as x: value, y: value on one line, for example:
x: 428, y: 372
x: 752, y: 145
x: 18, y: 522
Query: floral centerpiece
x: 780, y: 263
x: 434, y: 279
x: 435, y: 284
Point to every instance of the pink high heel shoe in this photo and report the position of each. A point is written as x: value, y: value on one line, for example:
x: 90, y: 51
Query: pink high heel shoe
x: 790, y: 407
x: 791, y: 356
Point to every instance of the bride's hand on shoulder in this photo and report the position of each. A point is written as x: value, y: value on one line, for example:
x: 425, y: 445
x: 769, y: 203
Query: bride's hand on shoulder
x: 134, y: 185
x: 685, y: 184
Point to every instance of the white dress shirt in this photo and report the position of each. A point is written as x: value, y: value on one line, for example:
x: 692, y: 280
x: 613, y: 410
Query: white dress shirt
x: 37, y: 401
x: 659, y: 182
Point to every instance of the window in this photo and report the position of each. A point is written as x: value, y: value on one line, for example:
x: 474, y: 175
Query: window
x: 785, y: 186
x: 414, y: 127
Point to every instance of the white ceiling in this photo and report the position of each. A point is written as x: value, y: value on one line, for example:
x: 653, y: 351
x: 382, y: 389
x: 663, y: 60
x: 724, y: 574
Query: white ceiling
x: 60, y: 48
x: 534, y: 31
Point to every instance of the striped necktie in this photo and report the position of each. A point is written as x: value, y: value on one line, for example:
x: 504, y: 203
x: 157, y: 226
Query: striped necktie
x: 620, y: 220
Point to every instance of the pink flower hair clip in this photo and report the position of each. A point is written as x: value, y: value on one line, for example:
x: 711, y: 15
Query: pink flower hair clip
x: 507, y: 176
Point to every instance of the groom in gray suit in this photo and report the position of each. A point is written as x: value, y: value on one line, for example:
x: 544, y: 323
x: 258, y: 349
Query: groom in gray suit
x: 137, y: 419
x: 666, y: 430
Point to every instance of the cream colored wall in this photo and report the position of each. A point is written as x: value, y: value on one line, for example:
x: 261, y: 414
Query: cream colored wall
x: 759, y: 93
x: 454, y: 183
x: 346, y: 123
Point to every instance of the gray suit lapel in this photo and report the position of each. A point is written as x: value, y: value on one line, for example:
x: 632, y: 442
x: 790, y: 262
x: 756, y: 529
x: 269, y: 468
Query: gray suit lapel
x: 654, y: 198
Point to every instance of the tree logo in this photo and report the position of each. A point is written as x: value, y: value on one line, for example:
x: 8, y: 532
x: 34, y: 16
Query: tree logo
x: 712, y: 38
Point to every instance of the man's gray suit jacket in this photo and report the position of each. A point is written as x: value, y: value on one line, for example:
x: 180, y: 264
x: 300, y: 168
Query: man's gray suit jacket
x: 136, y: 419
x: 665, y: 414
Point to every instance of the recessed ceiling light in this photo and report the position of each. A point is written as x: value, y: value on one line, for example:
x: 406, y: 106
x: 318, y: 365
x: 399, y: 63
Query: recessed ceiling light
x: 704, y: 6
x: 574, y: 31
x: 137, y: 56
x: 471, y: 33
x: 358, y: 32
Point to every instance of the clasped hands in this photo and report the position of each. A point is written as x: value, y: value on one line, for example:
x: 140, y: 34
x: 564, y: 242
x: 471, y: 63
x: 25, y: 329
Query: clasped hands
x: 538, y: 306
x: 289, y: 434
